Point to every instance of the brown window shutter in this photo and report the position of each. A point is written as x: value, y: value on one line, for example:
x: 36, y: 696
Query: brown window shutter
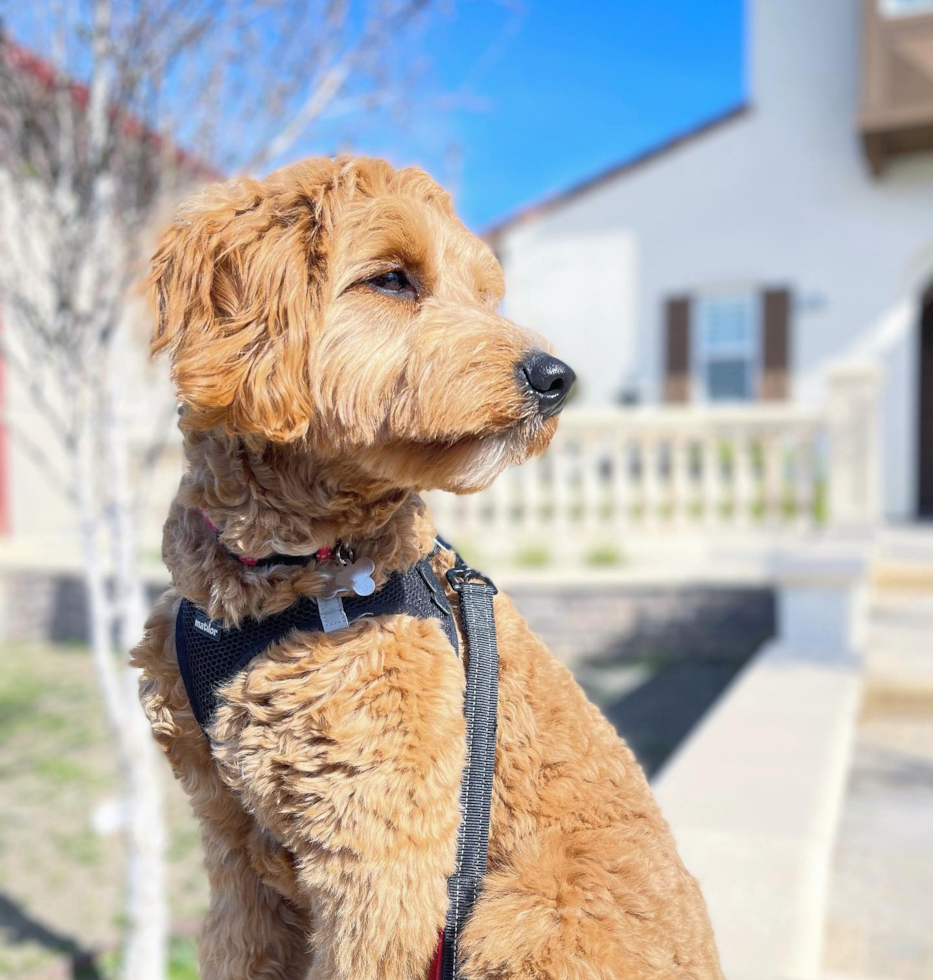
x: 775, y: 378
x: 677, y: 353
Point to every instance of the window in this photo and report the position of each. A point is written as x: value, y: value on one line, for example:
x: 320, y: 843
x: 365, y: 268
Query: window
x: 727, y: 342
x: 904, y: 8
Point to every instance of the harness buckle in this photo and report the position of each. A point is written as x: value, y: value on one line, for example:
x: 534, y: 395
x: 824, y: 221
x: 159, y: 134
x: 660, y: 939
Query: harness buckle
x: 461, y: 575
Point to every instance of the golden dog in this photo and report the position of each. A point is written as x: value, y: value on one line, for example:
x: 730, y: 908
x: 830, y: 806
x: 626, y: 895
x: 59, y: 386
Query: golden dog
x: 336, y: 346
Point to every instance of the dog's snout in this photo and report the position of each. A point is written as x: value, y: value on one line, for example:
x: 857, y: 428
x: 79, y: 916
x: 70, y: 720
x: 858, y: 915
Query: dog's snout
x: 549, y: 379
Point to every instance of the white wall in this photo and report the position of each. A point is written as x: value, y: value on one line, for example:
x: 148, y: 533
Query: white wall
x: 553, y: 286
x: 779, y: 196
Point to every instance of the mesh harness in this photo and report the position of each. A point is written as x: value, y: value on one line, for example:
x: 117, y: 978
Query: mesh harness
x: 209, y: 655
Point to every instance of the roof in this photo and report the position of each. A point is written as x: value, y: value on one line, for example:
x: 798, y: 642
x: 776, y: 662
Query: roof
x: 554, y: 201
x: 32, y: 64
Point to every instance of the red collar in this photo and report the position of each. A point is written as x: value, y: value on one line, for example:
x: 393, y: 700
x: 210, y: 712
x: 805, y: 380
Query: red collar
x: 322, y: 554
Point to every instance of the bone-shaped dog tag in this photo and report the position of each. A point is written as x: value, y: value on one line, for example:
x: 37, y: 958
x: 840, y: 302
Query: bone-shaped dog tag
x: 355, y: 577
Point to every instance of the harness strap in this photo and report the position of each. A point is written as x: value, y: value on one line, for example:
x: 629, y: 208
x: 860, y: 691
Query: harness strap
x: 482, y: 689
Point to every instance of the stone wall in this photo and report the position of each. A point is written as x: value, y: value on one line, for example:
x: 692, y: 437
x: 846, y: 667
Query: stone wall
x: 40, y: 606
x: 632, y: 623
x: 602, y: 623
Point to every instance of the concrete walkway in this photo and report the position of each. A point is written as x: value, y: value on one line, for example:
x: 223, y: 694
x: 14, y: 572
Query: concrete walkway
x: 754, y: 799
x: 880, y: 915
x: 754, y: 795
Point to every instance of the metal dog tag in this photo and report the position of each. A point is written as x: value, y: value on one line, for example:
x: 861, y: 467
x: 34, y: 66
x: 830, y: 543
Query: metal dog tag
x: 355, y: 577
x: 333, y: 615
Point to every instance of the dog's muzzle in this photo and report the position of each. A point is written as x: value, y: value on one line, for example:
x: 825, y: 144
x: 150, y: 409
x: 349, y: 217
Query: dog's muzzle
x: 548, y: 380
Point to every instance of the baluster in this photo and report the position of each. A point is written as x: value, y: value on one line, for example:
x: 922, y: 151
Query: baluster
x: 531, y: 476
x: 500, y: 496
x: 742, y: 478
x: 805, y: 479
x: 561, y: 497
x: 712, y: 481
x: 591, y: 489
x: 681, y: 502
x: 773, y: 477
x: 650, y: 480
x: 854, y: 467
x: 622, y: 484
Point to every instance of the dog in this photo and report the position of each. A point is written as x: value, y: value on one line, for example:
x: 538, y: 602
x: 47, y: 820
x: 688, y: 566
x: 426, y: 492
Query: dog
x: 337, y: 348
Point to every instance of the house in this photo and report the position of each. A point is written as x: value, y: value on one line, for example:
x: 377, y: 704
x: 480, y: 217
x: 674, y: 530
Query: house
x: 745, y: 260
x: 37, y: 512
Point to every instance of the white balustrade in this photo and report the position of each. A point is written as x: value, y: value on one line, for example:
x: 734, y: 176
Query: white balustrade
x: 611, y: 474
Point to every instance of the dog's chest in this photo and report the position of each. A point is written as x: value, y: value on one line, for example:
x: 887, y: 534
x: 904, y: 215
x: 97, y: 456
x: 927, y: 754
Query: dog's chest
x: 351, y: 740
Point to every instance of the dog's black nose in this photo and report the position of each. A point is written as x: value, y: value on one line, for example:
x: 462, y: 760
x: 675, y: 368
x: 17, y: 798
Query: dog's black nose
x: 549, y: 379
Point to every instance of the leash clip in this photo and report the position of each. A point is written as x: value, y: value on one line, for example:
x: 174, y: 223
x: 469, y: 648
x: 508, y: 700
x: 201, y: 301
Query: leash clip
x: 461, y: 575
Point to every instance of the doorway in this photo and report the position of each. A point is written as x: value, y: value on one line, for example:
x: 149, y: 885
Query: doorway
x: 925, y: 410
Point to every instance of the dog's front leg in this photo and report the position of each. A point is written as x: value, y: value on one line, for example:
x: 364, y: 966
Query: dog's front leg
x: 251, y: 932
x: 348, y: 748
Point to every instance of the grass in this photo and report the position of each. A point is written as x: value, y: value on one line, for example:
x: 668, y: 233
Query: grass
x: 61, y: 881
x: 19, y: 702
x: 182, y: 961
x: 533, y: 556
x: 605, y: 556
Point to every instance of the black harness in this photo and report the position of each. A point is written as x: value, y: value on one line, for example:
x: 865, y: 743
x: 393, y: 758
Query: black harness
x: 209, y: 655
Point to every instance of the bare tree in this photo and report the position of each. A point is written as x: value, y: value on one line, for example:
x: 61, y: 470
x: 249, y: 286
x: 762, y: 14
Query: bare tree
x: 93, y: 117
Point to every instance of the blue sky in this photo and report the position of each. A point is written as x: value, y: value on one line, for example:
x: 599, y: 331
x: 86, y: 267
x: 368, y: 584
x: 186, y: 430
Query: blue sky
x: 576, y: 88
x: 539, y: 94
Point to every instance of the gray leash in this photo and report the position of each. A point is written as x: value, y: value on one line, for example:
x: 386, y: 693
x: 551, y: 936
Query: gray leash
x: 476, y: 593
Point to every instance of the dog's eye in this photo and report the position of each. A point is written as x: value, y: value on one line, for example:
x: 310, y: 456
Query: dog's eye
x: 395, y: 282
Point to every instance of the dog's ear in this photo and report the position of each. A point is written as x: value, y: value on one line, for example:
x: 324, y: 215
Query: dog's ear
x: 237, y: 282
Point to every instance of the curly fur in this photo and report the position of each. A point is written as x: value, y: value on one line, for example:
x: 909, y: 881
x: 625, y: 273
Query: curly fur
x: 315, y: 406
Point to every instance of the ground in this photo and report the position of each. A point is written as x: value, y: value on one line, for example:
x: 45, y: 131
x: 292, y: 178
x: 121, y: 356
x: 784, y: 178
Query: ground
x: 880, y: 916
x: 880, y: 921
x: 61, y: 878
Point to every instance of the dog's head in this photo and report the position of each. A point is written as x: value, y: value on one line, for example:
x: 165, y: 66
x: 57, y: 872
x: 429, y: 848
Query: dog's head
x: 341, y: 306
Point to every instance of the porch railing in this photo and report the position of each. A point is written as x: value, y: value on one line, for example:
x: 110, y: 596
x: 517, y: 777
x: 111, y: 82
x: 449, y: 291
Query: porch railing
x: 616, y: 473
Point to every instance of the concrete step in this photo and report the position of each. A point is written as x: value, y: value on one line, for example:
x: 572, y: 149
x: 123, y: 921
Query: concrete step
x: 905, y: 607
x: 907, y: 541
x: 903, y: 560
x: 753, y: 798
x: 890, y: 576
x: 899, y: 651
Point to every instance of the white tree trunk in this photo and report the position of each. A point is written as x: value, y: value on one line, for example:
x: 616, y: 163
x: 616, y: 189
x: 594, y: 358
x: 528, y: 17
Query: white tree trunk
x: 144, y: 952
x: 146, y: 899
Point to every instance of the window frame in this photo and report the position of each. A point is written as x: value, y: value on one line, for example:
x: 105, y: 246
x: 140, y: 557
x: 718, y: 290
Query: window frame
x: 700, y: 355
